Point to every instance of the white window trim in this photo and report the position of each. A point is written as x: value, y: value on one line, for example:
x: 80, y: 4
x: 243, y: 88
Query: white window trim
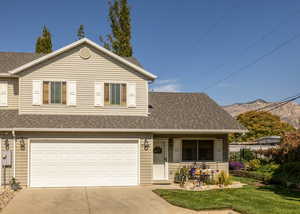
x: 114, y: 106
x: 49, y: 92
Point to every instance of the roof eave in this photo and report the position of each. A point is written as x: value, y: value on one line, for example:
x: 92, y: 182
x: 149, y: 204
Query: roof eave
x: 157, y: 131
x: 77, y: 43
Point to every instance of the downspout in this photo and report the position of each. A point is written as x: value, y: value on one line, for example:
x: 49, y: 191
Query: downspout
x: 14, y: 153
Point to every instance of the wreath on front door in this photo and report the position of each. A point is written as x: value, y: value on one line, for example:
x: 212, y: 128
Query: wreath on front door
x: 157, y: 150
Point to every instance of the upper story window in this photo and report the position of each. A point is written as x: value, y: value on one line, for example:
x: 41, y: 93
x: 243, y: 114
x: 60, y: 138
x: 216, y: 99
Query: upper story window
x: 115, y: 94
x: 54, y: 92
x: 197, y: 150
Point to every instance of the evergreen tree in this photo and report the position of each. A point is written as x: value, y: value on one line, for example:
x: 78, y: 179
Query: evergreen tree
x: 119, y: 40
x: 44, y: 42
x: 80, y: 32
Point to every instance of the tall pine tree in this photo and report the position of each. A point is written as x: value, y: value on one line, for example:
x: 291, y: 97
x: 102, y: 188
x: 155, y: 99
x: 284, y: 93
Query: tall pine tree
x: 119, y: 40
x: 44, y: 42
x: 80, y: 32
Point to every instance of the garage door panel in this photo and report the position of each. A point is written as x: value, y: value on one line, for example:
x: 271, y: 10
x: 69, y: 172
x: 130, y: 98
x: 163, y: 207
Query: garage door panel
x: 83, y: 164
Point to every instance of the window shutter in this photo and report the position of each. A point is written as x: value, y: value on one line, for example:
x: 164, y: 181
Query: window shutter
x: 36, y: 92
x: 3, y: 93
x: 45, y: 92
x: 131, y: 95
x: 218, y: 150
x: 177, y: 150
x: 99, y: 94
x: 71, y: 93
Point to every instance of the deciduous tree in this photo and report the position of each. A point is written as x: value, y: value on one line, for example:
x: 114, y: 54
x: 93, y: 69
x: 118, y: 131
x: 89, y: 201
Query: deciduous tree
x: 260, y: 124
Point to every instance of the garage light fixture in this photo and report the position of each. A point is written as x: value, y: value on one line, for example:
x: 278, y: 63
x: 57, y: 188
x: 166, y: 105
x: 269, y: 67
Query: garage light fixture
x: 6, y: 143
x: 22, y: 143
x: 146, y: 144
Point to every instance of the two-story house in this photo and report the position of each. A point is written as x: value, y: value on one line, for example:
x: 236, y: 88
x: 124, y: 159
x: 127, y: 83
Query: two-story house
x: 83, y: 116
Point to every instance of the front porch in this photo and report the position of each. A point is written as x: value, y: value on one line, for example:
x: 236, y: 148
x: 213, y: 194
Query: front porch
x: 170, y: 153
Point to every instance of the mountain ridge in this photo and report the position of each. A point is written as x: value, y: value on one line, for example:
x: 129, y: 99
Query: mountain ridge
x: 289, y: 112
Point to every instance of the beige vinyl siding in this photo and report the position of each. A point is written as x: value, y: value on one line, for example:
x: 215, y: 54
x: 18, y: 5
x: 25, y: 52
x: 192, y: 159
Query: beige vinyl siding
x: 146, y: 163
x: 12, y: 93
x: 146, y: 159
x: 70, y: 66
x: 21, y: 163
x: 9, y: 171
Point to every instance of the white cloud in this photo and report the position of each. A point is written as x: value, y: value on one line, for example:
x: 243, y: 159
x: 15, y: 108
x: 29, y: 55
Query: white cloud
x: 170, y: 85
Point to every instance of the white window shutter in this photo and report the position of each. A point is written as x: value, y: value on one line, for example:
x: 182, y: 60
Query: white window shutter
x: 177, y: 150
x: 131, y: 95
x: 99, y: 94
x: 218, y: 150
x: 71, y: 93
x: 36, y: 92
x: 3, y: 93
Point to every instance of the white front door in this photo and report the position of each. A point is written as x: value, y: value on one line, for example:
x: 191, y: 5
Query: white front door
x: 68, y: 164
x: 160, y: 159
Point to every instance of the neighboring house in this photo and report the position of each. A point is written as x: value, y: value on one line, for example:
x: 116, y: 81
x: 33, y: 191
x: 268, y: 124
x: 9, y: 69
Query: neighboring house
x: 83, y: 116
x: 263, y: 143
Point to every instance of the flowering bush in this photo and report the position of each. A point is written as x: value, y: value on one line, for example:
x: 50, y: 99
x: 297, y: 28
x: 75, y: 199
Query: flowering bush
x: 254, y: 164
x: 235, y: 165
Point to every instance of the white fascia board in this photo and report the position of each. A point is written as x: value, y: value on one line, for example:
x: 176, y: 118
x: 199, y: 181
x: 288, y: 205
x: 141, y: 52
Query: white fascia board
x: 158, y: 131
x: 77, y: 43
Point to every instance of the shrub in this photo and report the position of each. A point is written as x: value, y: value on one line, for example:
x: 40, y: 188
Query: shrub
x: 254, y: 164
x: 235, y: 165
x: 287, y: 175
x: 223, y: 178
x: 264, y: 177
x: 287, y: 151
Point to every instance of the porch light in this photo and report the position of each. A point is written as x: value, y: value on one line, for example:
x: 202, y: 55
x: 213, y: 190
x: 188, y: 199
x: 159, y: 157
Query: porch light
x: 22, y: 143
x: 146, y: 144
x: 6, y: 143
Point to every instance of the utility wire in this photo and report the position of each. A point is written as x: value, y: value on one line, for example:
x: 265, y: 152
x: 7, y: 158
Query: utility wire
x: 255, y: 42
x: 254, y: 62
x: 216, y: 23
x: 282, y: 104
x: 277, y: 103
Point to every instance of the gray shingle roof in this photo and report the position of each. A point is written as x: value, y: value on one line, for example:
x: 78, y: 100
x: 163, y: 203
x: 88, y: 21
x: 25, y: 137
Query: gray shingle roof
x: 168, y: 111
x: 12, y: 60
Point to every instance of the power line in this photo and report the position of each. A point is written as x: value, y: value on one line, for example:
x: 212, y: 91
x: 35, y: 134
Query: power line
x: 215, y: 24
x: 284, y: 103
x: 277, y: 103
x: 263, y: 37
x: 257, y: 60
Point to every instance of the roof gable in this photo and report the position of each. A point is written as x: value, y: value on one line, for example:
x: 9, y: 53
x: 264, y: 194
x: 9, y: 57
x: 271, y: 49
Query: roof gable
x: 130, y: 62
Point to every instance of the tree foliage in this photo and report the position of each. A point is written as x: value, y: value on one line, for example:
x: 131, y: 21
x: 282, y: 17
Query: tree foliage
x: 260, y: 124
x: 80, y: 32
x: 119, y: 40
x: 44, y: 42
x: 287, y: 151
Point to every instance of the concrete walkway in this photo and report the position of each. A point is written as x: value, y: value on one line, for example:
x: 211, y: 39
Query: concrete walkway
x: 93, y: 201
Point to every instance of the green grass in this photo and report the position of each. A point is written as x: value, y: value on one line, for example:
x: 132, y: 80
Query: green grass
x: 246, y: 200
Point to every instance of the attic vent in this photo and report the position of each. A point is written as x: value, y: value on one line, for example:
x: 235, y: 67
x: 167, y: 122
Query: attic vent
x: 84, y: 53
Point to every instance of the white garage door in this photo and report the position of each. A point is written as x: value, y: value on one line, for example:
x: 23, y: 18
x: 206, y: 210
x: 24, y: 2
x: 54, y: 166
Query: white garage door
x: 83, y: 164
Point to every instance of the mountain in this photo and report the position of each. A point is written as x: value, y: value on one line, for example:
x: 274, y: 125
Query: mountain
x: 289, y: 113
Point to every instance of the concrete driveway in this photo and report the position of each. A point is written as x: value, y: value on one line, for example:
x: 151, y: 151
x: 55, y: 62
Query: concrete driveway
x: 92, y: 201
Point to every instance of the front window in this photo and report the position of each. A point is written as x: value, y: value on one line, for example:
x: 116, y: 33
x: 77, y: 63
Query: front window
x: 115, y: 94
x: 54, y: 92
x: 197, y: 150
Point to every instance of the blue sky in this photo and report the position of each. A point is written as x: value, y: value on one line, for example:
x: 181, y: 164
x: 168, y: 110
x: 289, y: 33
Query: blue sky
x: 190, y: 45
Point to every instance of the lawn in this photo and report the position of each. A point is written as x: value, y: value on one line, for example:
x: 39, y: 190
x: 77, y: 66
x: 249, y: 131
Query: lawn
x: 247, y: 200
